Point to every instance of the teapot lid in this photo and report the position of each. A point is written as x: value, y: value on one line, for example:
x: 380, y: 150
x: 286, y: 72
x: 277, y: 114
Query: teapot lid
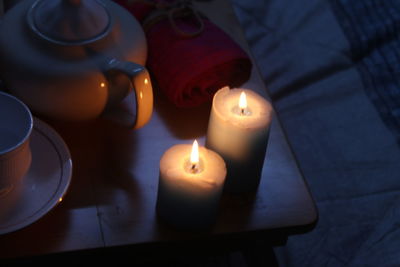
x: 69, y: 21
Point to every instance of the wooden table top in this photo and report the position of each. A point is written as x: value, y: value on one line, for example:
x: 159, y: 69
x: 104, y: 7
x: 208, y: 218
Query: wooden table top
x: 112, y: 197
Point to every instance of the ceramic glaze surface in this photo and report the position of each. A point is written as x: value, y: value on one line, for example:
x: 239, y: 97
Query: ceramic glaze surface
x: 15, y: 155
x: 7, y: 139
x: 69, y: 80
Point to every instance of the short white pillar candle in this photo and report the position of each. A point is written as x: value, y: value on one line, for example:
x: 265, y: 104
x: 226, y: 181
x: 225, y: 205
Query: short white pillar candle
x: 190, y: 186
x: 238, y: 130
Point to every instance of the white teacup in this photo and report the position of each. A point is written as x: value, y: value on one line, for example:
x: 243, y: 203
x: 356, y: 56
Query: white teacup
x: 16, y: 125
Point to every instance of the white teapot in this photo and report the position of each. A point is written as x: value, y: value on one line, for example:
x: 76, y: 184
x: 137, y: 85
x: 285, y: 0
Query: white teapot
x: 76, y: 59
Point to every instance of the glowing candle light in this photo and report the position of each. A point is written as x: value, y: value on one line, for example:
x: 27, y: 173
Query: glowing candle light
x: 238, y: 130
x: 194, y: 156
x: 242, y: 102
x: 190, y: 186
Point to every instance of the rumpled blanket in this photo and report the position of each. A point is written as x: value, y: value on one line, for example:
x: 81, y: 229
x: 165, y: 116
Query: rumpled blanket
x: 332, y: 71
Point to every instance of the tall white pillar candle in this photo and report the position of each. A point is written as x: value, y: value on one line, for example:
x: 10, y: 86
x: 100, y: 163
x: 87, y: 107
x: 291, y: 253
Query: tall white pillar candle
x: 238, y: 130
x: 190, y: 186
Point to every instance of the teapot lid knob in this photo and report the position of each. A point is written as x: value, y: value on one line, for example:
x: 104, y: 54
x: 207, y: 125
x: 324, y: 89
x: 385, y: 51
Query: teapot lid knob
x: 69, y: 21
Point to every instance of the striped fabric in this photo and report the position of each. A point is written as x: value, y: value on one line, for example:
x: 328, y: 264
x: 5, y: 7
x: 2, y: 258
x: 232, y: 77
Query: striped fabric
x: 373, y: 30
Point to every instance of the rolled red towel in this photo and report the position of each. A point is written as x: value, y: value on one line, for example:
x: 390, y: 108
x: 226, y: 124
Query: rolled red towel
x: 190, y: 69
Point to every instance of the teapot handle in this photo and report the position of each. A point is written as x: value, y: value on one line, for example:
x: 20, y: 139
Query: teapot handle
x: 143, y: 94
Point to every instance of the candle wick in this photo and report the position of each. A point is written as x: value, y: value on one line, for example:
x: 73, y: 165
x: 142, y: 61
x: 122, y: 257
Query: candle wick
x: 194, y: 168
x: 242, y: 111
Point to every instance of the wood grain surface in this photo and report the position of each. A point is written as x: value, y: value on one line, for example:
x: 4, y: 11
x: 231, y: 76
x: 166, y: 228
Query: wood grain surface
x: 111, y: 201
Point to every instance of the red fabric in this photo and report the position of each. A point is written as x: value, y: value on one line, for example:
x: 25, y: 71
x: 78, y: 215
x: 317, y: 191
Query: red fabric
x: 190, y: 70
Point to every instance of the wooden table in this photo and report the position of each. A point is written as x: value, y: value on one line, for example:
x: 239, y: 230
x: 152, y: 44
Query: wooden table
x: 112, y: 197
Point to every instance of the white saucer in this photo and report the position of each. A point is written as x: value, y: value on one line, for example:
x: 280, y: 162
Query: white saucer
x: 45, y: 184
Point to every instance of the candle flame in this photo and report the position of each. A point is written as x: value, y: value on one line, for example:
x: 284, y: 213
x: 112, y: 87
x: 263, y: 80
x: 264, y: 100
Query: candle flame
x: 242, y: 101
x: 194, y: 156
